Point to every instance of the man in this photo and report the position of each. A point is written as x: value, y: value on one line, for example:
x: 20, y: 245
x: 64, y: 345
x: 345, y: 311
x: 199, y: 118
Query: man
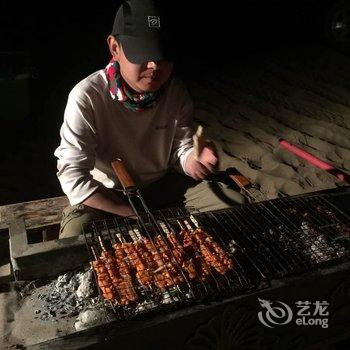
x: 136, y: 110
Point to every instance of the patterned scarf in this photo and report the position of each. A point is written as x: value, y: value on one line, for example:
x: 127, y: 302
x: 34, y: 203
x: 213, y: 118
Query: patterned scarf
x: 135, y: 101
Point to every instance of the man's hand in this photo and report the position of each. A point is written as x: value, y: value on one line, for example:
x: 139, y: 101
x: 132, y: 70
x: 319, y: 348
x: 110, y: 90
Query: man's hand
x: 203, y: 166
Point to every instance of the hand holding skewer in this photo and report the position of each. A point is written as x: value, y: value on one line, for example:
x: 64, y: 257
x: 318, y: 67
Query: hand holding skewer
x: 203, y: 161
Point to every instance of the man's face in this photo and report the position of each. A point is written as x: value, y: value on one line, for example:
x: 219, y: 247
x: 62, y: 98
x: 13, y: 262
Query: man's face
x: 143, y: 77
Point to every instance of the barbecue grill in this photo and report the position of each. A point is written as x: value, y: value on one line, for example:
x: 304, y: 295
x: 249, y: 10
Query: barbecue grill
x: 179, y: 278
x: 288, y: 249
x: 265, y: 241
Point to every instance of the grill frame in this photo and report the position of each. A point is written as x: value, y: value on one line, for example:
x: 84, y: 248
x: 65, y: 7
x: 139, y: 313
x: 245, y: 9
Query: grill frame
x: 257, y: 278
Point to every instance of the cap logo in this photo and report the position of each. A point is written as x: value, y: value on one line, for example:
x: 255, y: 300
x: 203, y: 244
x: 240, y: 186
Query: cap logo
x: 153, y: 21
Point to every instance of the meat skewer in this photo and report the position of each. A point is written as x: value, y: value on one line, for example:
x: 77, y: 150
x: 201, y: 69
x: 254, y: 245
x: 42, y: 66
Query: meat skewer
x: 210, y: 256
x: 191, y: 248
x: 179, y: 253
x: 103, y: 280
x: 211, y: 250
x: 153, y: 260
x: 122, y: 285
x: 147, y: 261
x: 136, y: 260
x: 162, y: 277
x: 169, y: 260
x: 120, y: 255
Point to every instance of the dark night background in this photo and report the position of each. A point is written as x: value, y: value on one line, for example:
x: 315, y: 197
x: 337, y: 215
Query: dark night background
x: 59, y: 44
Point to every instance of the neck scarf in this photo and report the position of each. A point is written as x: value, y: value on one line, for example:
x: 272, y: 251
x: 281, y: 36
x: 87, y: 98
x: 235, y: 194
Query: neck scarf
x: 134, y: 101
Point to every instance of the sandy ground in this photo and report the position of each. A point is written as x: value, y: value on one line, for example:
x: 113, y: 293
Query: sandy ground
x: 302, y: 96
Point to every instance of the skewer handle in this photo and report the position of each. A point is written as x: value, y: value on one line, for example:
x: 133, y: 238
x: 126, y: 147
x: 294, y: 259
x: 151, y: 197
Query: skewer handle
x: 94, y: 253
x: 188, y: 226
x: 101, y: 243
x: 240, y: 180
x: 193, y: 219
x: 198, y: 141
x: 164, y: 228
x: 123, y: 175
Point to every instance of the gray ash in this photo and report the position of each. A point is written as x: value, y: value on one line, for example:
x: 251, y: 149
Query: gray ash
x: 67, y: 296
x: 89, y: 318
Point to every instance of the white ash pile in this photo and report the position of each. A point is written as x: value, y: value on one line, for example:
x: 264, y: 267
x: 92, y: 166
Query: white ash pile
x: 89, y: 318
x: 67, y: 296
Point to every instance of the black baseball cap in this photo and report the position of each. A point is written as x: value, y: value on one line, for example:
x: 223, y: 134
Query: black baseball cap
x: 140, y: 27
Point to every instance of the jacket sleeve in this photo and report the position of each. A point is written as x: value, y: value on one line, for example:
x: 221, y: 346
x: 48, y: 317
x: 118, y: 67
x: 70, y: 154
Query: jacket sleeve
x: 183, y: 142
x: 76, y: 152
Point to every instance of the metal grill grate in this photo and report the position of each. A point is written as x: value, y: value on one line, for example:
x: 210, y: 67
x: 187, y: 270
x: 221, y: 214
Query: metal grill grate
x: 286, y: 236
x: 262, y: 241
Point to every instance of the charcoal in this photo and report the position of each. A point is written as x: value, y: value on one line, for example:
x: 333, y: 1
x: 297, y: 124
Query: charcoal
x: 71, y: 300
x: 44, y: 316
x: 68, y: 295
x: 73, y: 313
x: 52, y: 313
x: 64, y: 295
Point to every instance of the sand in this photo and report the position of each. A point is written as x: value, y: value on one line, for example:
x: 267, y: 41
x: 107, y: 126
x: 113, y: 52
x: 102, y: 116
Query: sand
x: 300, y: 95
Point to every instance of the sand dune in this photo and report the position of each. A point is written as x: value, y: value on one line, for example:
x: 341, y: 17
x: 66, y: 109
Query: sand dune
x: 303, y: 97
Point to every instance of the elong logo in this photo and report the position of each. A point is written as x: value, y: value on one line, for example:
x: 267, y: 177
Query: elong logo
x: 277, y: 313
x: 273, y: 314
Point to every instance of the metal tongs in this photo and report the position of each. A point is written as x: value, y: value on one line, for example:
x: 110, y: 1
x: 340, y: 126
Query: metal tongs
x: 247, y: 189
x: 131, y: 191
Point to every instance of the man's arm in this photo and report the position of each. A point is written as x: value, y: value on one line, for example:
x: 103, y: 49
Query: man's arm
x: 183, y: 153
x: 76, y: 158
x: 182, y: 142
x: 106, y: 200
